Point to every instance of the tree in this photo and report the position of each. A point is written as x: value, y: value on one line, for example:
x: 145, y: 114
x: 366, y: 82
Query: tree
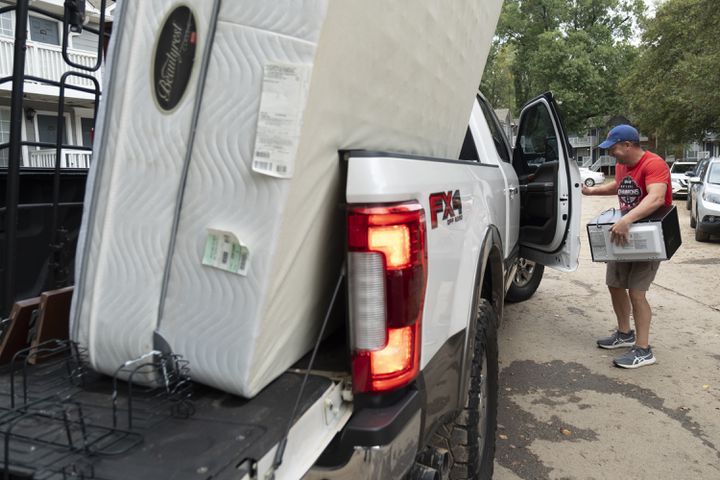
x: 497, y: 83
x: 579, y: 49
x: 673, y: 87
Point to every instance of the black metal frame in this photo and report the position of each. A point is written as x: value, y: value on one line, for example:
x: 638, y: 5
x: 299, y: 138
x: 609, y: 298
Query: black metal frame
x: 72, y: 20
x: 53, y: 422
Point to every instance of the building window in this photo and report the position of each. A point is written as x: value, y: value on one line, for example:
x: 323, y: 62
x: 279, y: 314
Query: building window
x: 4, y: 135
x: 44, y: 30
x: 47, y: 129
x: 86, y: 127
x: 7, y: 21
x: 86, y: 41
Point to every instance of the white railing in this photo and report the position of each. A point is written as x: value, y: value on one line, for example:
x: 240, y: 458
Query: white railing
x: 6, y: 56
x: 580, y: 142
x: 584, y: 161
x: 603, y: 161
x: 697, y: 155
x: 45, y: 158
x: 46, y: 61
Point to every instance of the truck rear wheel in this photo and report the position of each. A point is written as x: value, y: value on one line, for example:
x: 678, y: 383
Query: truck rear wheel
x: 470, y: 437
x: 526, y: 281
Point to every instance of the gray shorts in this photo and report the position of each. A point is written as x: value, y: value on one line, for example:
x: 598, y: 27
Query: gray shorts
x: 631, y: 275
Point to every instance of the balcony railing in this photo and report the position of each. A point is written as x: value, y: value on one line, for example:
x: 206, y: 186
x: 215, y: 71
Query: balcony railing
x: 45, y: 158
x: 695, y: 155
x: 46, y: 61
x: 582, y: 142
x: 585, y: 161
x: 603, y: 161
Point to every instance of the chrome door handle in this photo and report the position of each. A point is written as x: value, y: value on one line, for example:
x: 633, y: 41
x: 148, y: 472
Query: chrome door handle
x: 513, y: 190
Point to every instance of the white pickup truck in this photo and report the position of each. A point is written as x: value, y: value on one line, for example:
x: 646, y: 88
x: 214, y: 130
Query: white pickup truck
x: 481, y: 228
x: 409, y: 387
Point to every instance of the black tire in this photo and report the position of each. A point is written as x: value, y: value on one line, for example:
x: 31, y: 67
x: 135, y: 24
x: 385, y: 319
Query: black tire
x: 693, y: 222
x: 589, y: 182
x: 470, y: 437
x: 701, y: 236
x: 526, y: 281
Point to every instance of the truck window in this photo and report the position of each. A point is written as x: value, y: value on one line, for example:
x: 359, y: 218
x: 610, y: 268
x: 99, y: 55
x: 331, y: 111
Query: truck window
x: 499, y: 139
x: 538, y: 142
x: 468, y: 151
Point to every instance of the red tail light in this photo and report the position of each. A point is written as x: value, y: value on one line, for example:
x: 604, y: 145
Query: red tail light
x: 387, y: 272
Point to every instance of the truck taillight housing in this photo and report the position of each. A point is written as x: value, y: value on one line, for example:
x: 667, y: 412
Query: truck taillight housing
x: 387, y: 273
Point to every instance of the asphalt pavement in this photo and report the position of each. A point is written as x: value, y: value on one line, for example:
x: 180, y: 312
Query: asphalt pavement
x: 567, y: 413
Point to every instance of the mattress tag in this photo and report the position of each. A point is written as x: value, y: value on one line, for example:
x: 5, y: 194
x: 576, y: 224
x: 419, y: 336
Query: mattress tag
x: 282, y: 103
x: 223, y: 250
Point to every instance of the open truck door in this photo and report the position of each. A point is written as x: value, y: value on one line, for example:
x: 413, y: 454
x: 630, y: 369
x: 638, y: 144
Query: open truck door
x: 550, y: 193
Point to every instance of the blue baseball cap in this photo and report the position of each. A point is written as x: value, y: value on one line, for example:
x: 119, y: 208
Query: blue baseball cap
x: 621, y: 133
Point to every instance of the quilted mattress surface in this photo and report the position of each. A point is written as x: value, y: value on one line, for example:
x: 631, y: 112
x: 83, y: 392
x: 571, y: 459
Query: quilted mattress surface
x: 211, y: 227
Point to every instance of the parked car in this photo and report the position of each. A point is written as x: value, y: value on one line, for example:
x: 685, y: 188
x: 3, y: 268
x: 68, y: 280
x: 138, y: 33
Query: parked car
x: 590, y: 178
x: 693, y: 175
x: 705, y: 216
x: 679, y: 180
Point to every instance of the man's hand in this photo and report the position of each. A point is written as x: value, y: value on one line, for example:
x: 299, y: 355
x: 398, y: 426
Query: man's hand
x: 608, y: 188
x: 655, y: 198
x: 619, y: 232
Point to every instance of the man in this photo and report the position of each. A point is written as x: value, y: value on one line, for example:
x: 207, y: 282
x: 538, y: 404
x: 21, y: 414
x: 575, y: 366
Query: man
x: 642, y: 184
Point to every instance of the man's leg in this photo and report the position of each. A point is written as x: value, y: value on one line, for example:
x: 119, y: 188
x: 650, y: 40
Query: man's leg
x: 641, y: 354
x: 621, y: 306
x: 642, y: 313
x: 616, y: 280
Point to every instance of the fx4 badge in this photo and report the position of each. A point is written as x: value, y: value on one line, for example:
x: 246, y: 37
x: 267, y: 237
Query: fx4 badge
x: 447, y: 203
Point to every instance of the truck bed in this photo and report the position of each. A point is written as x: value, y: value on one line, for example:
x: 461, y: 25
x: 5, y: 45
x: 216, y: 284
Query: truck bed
x: 61, y: 420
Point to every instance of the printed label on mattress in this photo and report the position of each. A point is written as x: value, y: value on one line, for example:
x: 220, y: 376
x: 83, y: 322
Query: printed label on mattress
x: 284, y: 93
x: 223, y: 250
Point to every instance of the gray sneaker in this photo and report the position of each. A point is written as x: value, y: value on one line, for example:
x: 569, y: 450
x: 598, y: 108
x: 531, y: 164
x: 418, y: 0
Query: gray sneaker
x: 617, y: 340
x: 636, y: 357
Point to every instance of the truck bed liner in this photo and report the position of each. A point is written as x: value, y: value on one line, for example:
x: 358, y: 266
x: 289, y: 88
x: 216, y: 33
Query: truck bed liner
x: 62, y: 428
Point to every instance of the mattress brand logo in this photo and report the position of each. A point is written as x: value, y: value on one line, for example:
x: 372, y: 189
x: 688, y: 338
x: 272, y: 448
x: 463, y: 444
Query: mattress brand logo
x: 449, y: 204
x: 174, y: 57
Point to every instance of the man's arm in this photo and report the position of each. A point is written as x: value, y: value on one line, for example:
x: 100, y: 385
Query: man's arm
x: 604, y: 189
x: 654, y: 199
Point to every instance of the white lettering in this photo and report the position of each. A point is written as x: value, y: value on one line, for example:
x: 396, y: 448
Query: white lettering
x: 173, y: 58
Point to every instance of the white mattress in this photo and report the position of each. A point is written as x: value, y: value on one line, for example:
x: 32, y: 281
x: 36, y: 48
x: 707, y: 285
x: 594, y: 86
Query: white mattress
x: 394, y: 76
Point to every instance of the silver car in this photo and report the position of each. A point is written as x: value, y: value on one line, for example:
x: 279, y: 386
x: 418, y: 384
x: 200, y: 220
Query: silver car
x: 693, y: 183
x: 705, y: 214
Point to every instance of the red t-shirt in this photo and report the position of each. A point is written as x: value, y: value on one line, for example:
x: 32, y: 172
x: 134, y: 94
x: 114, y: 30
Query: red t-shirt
x: 633, y: 182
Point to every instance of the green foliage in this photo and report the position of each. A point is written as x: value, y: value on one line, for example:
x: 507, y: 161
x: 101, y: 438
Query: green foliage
x: 578, y: 49
x: 673, y: 88
x: 497, y: 84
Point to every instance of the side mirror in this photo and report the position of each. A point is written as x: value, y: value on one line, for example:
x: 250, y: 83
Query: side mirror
x: 694, y: 180
x: 690, y: 174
